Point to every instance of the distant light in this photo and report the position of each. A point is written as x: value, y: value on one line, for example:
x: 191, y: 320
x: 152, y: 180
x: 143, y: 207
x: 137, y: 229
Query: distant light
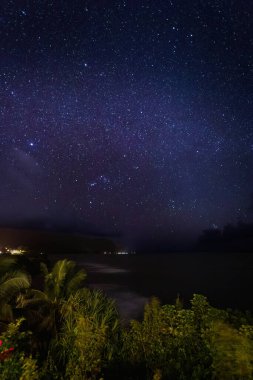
x: 16, y: 251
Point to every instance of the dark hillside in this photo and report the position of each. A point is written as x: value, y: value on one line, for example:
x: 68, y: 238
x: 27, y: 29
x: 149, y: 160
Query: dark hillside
x: 54, y: 242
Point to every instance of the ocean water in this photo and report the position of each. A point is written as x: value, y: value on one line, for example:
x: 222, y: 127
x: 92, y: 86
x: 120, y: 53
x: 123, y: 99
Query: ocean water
x: 226, y: 279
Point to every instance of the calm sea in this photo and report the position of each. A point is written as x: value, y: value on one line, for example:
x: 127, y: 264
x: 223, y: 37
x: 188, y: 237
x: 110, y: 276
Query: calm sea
x: 226, y: 279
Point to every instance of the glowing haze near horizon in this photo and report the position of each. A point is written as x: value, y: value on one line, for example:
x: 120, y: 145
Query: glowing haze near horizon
x: 126, y: 117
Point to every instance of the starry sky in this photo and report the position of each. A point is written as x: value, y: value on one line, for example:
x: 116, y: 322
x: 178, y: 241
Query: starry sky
x: 127, y: 118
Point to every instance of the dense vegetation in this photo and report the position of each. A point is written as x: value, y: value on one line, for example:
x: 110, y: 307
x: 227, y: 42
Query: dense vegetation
x: 66, y: 331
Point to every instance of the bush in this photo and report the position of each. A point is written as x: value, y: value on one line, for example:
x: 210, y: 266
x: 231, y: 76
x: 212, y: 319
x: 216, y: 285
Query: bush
x: 15, y: 364
x: 87, y: 341
x: 196, y: 343
x: 85, y: 345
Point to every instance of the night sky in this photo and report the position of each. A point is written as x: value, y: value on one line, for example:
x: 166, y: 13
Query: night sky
x: 128, y: 118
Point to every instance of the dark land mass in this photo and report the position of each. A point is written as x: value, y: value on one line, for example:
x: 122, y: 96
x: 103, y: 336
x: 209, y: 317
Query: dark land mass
x: 52, y: 242
x: 231, y: 238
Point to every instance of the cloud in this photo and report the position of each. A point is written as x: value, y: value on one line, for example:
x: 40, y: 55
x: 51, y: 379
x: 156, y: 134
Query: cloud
x: 23, y: 171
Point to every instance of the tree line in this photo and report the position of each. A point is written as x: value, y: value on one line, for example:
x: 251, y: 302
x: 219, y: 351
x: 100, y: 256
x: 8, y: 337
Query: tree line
x: 231, y: 238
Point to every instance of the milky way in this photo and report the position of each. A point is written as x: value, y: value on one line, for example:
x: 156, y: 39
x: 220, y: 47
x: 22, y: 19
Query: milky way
x: 126, y: 117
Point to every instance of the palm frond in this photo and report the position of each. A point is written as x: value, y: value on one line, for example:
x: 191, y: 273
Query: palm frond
x: 7, y: 264
x: 61, y: 269
x: 44, y: 269
x: 6, y: 313
x: 33, y: 298
x: 13, y: 283
x: 76, y: 282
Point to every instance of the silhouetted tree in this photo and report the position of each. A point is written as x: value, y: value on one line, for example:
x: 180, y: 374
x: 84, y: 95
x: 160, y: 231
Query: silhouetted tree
x: 232, y: 238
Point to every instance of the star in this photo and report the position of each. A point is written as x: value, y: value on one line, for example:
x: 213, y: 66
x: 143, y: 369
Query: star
x: 116, y: 108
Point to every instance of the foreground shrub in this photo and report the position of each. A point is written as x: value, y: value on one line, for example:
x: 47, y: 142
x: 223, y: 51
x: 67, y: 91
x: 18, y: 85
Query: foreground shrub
x: 232, y: 352
x: 76, y: 334
x: 196, y: 343
x: 14, y: 363
x: 88, y: 339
